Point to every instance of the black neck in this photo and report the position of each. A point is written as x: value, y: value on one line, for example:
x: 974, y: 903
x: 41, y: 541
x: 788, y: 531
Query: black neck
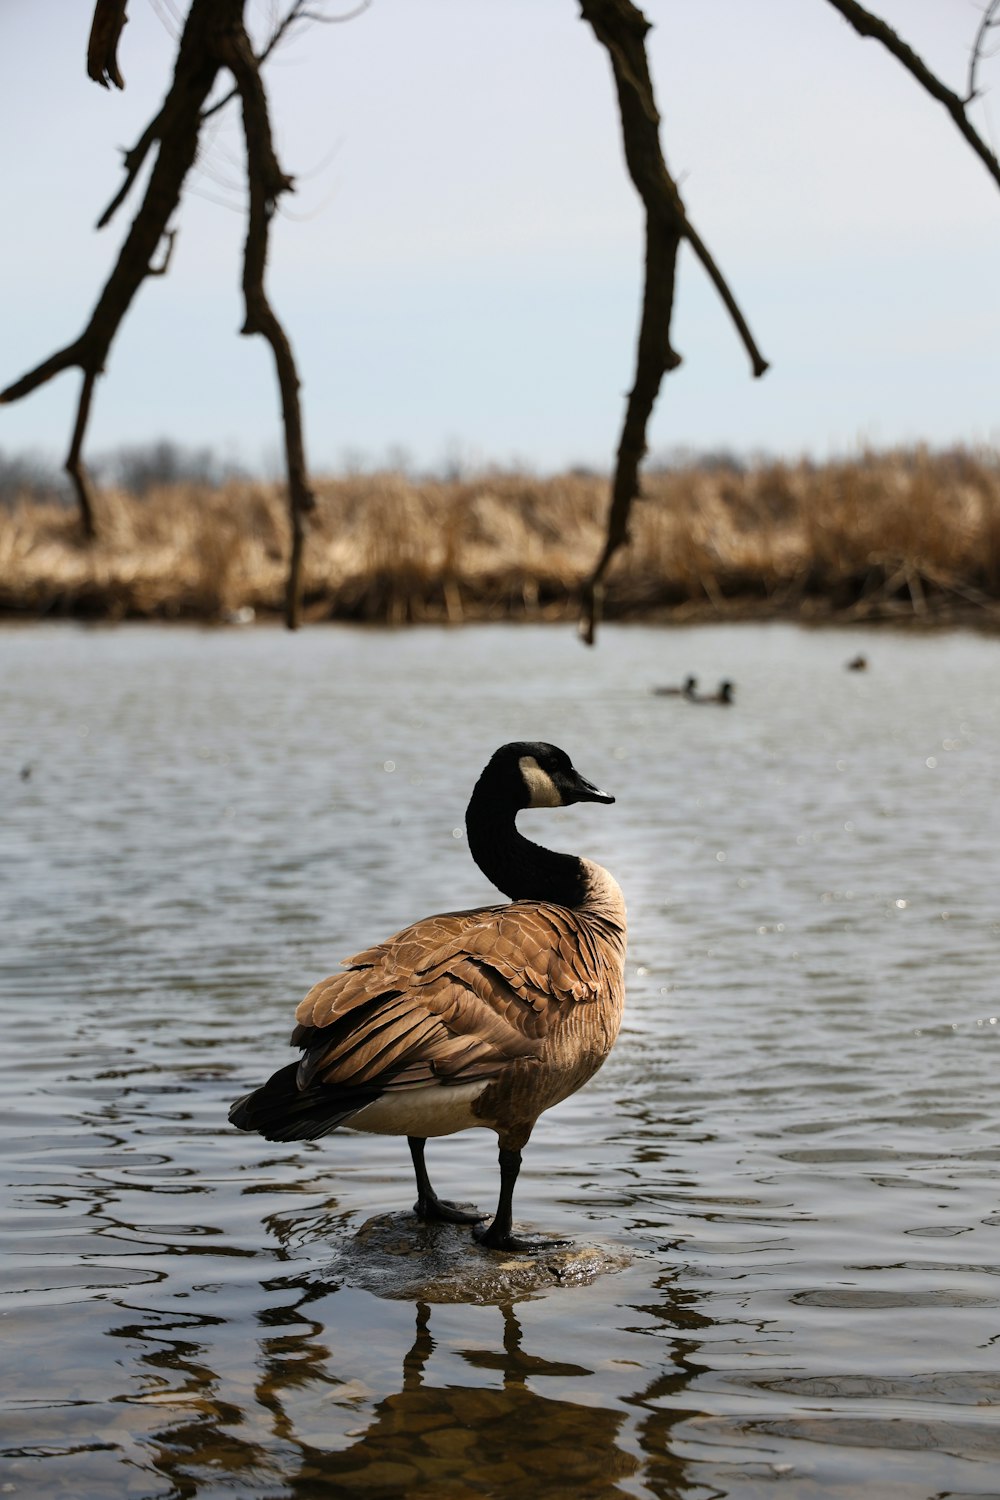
x: 522, y: 870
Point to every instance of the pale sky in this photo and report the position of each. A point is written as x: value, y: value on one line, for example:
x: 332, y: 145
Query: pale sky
x: 460, y: 269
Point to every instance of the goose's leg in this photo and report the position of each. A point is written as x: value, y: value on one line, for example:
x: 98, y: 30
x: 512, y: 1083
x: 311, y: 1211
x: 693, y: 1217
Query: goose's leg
x: 498, y: 1234
x: 429, y: 1206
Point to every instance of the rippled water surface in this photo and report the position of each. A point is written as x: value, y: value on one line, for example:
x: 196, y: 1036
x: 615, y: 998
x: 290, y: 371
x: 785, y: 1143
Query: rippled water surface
x: 796, y: 1138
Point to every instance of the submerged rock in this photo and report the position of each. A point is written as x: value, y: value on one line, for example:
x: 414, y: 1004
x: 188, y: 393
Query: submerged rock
x: 394, y: 1255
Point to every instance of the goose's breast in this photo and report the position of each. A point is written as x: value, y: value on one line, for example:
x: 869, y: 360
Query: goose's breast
x: 571, y: 1056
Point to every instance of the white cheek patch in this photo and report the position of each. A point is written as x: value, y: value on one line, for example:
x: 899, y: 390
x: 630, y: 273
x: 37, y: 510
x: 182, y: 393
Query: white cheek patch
x: 541, y: 788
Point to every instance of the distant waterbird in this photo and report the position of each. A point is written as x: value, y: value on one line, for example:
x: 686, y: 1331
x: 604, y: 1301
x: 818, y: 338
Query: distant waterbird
x: 473, y: 1018
x: 724, y: 695
x: 686, y: 690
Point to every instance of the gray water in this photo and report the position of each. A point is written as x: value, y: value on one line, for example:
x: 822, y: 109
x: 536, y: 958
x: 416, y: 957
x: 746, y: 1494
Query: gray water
x: 795, y: 1140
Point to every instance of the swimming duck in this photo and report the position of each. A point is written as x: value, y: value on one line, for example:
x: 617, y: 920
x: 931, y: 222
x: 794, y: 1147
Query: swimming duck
x: 484, y: 1017
x: 724, y: 695
x: 685, y: 691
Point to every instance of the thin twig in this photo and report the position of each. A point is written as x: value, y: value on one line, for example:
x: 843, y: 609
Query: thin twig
x: 869, y: 25
x: 990, y: 19
x: 133, y: 164
x: 757, y: 360
x: 288, y: 20
x: 296, y: 12
x: 74, y: 463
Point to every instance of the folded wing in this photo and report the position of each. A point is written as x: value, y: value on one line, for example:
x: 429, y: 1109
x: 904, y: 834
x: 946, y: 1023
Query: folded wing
x: 451, y: 1000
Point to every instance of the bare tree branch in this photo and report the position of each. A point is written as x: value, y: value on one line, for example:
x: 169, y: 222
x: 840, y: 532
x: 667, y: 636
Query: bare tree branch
x: 102, y: 48
x: 655, y: 358
x: 214, y: 36
x: 63, y: 359
x: 869, y: 25
x: 135, y: 157
x: 267, y: 182
x: 297, y: 11
x: 621, y: 28
x: 195, y: 71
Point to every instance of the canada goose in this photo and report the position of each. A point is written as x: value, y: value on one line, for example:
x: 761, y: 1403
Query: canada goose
x: 484, y: 1017
x: 685, y: 691
x: 724, y: 695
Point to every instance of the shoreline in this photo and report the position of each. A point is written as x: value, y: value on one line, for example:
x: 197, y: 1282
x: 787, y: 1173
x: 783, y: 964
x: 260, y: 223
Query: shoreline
x: 741, y: 612
x: 901, y: 539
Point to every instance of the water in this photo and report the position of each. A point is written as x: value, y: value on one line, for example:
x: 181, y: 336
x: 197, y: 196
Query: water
x: 796, y: 1138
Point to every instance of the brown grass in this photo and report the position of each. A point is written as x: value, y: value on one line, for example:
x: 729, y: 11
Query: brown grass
x: 911, y: 535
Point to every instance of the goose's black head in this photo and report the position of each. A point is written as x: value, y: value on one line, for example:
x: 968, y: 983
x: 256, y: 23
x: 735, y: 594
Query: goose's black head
x: 531, y: 773
x: 527, y: 773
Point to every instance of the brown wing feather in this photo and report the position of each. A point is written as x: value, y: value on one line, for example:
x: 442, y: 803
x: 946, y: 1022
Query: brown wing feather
x: 452, y: 999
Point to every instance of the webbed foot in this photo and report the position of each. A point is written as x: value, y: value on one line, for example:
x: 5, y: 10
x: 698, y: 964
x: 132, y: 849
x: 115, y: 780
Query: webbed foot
x: 429, y: 1208
x: 435, y: 1210
x: 493, y: 1238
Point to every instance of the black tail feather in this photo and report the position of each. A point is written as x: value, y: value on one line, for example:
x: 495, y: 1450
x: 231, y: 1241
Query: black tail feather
x: 280, y: 1111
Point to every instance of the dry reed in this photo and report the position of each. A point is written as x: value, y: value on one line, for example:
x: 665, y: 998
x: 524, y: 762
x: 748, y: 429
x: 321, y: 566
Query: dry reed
x: 908, y: 534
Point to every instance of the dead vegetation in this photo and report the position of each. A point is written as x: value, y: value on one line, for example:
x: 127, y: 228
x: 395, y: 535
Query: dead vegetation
x: 908, y: 535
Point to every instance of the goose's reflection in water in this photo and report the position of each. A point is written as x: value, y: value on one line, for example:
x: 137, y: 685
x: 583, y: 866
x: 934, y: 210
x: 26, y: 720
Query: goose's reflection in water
x: 298, y: 1424
x: 453, y: 1439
